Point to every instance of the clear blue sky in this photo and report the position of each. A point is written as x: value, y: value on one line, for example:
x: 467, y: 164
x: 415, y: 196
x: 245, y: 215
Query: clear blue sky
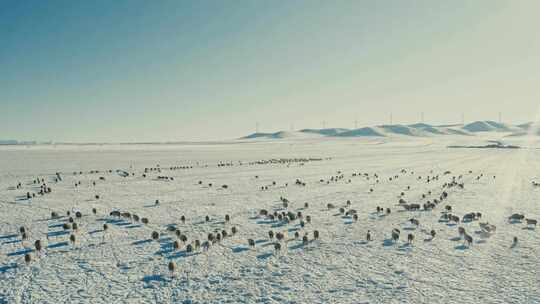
x: 200, y: 70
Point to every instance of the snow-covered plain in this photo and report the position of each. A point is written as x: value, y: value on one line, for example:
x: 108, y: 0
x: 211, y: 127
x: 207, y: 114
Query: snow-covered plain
x: 123, y: 264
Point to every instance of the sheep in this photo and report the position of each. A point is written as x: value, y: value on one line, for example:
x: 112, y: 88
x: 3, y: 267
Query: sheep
x: 183, y: 219
x: 94, y: 210
x: 172, y: 266
x: 277, y: 246
x: 468, y: 239
x: 54, y: 215
x: 355, y: 217
x: 280, y: 236
x: 135, y: 218
x: 330, y: 206
x: 155, y: 235
x: 78, y: 214
x: 71, y: 220
x: 516, y: 217
x: 410, y: 238
x: 251, y: 242
x: 144, y: 220
x: 531, y: 222
x: 234, y: 230
x: 183, y: 238
x: 37, y: 245
x: 207, y: 218
x: 395, y: 235
x: 189, y: 248
x: 305, y: 240
x: 22, y: 230
x: 74, y: 226
x: 308, y: 219
x: 105, y: 227
x: 433, y: 233
x: 414, y: 222
x: 66, y: 226
x: 306, y: 205
x: 227, y: 218
x: 27, y: 258
x: 72, y: 238
x: 224, y: 233
x: 296, y: 234
x: 316, y: 234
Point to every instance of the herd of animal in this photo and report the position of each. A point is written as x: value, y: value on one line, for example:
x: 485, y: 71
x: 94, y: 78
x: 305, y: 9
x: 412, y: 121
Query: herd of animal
x: 283, y: 216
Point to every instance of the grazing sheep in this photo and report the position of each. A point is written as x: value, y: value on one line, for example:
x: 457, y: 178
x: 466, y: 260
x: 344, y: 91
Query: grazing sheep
x: 395, y: 234
x: 531, y: 222
x: 296, y: 234
x: 227, y: 218
x: 355, y: 217
x: 72, y: 238
x: 135, y: 218
x: 516, y: 217
x: 251, y: 242
x: 316, y: 234
x: 277, y: 246
x: 94, y: 210
x: 183, y: 238
x: 388, y: 211
x: 74, y: 226
x: 183, y: 219
x: 308, y: 219
x: 189, y: 248
x: 71, y: 220
x: 224, y: 233
x: 306, y: 205
x: 105, y: 227
x: 37, y: 245
x: 78, y: 214
x: 54, y: 215
x: 66, y: 226
x: 410, y: 238
x: 22, y: 230
x: 433, y: 233
x: 330, y: 206
x: 271, y: 234
x: 468, y: 239
x: 155, y: 235
x: 414, y: 222
x: 27, y: 258
x: 144, y: 220
x: 172, y: 266
x: 234, y: 230
x: 305, y: 240
x: 280, y: 236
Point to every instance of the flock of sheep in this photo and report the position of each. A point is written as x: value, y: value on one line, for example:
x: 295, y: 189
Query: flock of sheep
x: 283, y: 216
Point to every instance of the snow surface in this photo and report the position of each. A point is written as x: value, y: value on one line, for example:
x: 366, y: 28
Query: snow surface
x: 123, y: 265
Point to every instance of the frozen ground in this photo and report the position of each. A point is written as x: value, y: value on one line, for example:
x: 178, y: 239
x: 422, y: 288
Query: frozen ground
x: 123, y: 265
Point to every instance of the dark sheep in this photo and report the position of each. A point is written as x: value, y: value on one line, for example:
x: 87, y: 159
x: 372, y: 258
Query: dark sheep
x: 227, y: 218
x: 410, y: 238
x: 155, y: 235
x: 251, y: 242
x: 37, y: 245
x: 316, y: 234
x: 305, y: 239
x: 144, y: 220
x: 27, y: 258
x: 172, y: 266
x: 271, y: 234
x: 72, y: 238
x: 105, y: 227
x: 234, y: 230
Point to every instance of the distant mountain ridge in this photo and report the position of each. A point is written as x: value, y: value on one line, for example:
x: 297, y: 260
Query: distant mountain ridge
x: 412, y: 130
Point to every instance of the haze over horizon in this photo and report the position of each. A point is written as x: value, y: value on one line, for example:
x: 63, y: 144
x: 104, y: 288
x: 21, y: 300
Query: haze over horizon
x: 134, y: 71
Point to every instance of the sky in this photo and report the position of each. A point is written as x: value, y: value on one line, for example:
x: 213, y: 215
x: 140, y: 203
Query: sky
x: 137, y: 71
